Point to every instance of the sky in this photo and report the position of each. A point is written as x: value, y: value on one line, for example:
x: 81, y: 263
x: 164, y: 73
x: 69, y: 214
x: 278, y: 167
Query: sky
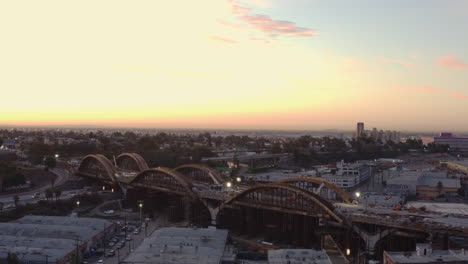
x: 254, y: 64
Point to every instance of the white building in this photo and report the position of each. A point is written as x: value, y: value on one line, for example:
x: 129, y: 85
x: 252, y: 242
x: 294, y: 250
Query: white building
x: 425, y: 254
x: 348, y: 175
x: 298, y: 256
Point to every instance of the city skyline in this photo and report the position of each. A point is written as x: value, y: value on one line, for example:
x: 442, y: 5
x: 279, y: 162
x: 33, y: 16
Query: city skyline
x: 259, y: 64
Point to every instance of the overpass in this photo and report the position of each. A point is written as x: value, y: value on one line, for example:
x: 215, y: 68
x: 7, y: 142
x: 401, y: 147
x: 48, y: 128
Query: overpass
x: 295, y: 211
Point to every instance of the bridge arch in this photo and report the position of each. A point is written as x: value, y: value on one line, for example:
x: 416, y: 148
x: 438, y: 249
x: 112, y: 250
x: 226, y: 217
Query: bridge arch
x: 200, y: 173
x: 164, y: 180
x: 284, y: 198
x: 131, y: 161
x: 99, y: 167
x: 315, y: 185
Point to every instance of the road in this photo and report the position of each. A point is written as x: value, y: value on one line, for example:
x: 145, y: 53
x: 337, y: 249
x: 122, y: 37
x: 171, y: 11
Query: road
x: 27, y: 197
x: 122, y: 253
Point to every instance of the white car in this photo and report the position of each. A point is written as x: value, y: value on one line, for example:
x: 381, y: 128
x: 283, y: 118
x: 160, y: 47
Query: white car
x: 109, y: 211
x: 100, y: 261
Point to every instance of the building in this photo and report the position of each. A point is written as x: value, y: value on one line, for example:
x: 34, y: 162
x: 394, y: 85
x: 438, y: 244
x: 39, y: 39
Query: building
x: 455, y: 143
x: 426, y: 184
x: 298, y: 256
x: 348, y: 175
x: 425, y: 254
x: 52, y: 239
x: 183, y: 245
x: 359, y: 129
x: 432, y: 187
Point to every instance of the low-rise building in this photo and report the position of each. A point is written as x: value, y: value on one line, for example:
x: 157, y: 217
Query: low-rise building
x: 183, y: 245
x: 348, y: 175
x: 426, y: 184
x: 52, y: 239
x: 455, y: 143
x: 425, y: 254
x: 298, y: 256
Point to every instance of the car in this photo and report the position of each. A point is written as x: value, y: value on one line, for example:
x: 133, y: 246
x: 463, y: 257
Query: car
x: 143, y: 225
x: 136, y: 232
x: 115, y: 240
x: 100, y: 261
x: 109, y: 211
x: 111, y: 244
x: 128, y: 238
x: 36, y: 195
x: 119, y: 246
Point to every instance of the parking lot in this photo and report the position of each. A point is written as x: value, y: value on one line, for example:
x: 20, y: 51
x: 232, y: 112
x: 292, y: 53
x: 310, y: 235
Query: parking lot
x: 121, y: 243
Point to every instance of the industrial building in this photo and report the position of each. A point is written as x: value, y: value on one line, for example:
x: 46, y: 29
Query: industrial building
x: 298, y: 256
x: 183, y: 245
x: 425, y: 254
x: 426, y: 184
x: 52, y: 239
x: 455, y: 143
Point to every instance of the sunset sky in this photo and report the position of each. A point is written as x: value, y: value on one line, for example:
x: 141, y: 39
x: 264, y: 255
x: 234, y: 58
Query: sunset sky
x: 269, y: 64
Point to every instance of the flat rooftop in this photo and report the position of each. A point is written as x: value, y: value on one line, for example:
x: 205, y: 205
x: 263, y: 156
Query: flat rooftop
x: 437, y: 256
x: 298, y: 256
x: 41, y: 238
x: 181, y: 245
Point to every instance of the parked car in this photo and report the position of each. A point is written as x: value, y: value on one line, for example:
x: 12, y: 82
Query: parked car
x: 109, y: 211
x: 111, y: 244
x: 128, y: 238
x: 136, y: 232
x: 100, y: 261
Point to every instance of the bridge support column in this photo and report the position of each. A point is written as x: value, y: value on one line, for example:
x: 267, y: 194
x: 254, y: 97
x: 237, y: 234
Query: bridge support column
x: 371, y: 239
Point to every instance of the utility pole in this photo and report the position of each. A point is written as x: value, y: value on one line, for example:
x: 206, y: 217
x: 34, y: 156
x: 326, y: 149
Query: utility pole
x: 77, y: 241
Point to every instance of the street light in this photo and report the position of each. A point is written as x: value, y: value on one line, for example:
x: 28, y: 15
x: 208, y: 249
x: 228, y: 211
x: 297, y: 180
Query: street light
x: 358, y: 194
x: 141, y: 207
x: 56, y: 155
x: 77, y: 203
x: 228, y: 184
x: 103, y: 188
x: 348, y: 252
x: 238, y: 179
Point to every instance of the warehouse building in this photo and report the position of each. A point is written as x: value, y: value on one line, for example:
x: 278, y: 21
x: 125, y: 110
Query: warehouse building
x: 52, y: 239
x: 183, y: 245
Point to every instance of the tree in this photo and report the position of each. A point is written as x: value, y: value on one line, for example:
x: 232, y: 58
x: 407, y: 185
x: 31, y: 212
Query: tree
x: 49, y: 193
x: 16, y: 200
x: 50, y: 163
x: 1, y: 206
x: 440, y: 187
x: 58, y: 193
x: 12, y: 258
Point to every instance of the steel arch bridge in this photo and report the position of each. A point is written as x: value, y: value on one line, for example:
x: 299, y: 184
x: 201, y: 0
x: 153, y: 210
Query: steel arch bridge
x: 164, y: 180
x: 131, y: 162
x: 200, y: 173
x: 319, y: 186
x: 97, y: 166
x: 286, y: 199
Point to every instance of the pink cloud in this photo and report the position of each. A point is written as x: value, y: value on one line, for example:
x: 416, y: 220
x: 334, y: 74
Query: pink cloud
x: 400, y: 62
x: 222, y: 40
x: 451, y: 62
x: 430, y: 90
x: 268, y: 25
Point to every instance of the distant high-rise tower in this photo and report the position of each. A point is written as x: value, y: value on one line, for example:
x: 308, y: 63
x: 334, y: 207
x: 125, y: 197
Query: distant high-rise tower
x: 360, y: 130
